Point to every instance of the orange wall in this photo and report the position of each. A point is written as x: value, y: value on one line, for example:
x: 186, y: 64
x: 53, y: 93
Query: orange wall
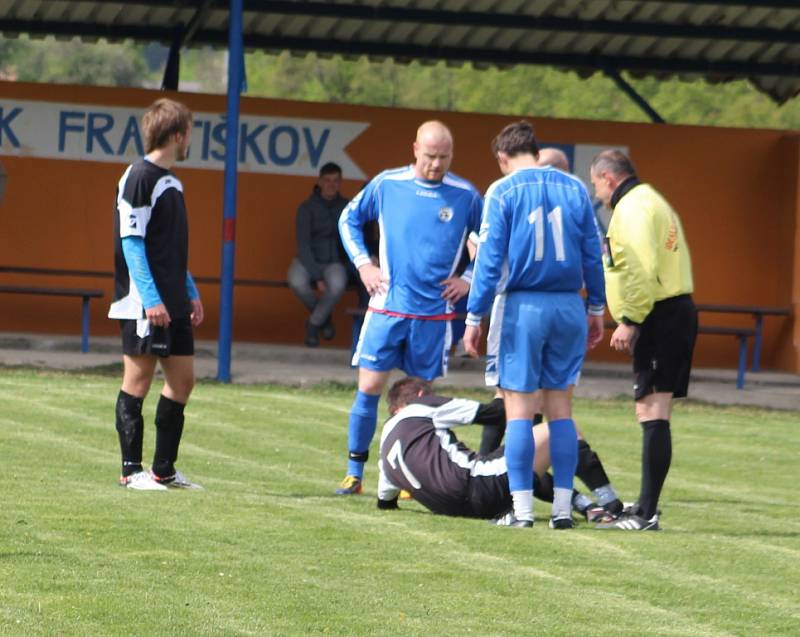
x: 737, y: 191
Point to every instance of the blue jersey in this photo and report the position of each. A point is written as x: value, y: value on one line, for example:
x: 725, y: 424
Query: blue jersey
x: 538, y: 233
x: 423, y: 226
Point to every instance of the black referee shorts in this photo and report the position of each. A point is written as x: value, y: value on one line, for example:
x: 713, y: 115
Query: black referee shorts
x: 662, y: 355
x: 175, y: 340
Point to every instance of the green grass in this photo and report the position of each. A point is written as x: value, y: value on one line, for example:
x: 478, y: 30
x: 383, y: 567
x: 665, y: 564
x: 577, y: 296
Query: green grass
x: 268, y: 550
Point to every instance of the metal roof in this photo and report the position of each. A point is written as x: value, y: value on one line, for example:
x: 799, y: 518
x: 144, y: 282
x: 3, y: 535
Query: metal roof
x: 718, y: 41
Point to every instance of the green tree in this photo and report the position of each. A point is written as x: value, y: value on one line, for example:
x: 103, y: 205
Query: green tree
x: 538, y: 91
x: 75, y: 62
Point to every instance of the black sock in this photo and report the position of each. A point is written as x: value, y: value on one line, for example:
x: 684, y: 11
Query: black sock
x: 656, y: 458
x: 543, y: 487
x: 169, y: 427
x: 130, y: 429
x: 491, y: 438
x: 590, y: 469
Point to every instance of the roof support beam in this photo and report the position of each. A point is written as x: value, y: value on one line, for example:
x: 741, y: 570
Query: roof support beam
x: 635, y: 96
x: 361, y: 12
x: 172, y: 69
x: 183, y: 37
x: 725, y: 69
x: 382, y: 13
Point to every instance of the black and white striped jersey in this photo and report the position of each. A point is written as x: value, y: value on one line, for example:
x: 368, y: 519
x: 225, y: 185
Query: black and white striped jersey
x: 150, y: 204
x: 419, y: 453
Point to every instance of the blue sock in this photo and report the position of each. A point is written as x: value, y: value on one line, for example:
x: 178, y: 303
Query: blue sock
x: 563, y: 452
x: 519, y: 454
x: 363, y: 420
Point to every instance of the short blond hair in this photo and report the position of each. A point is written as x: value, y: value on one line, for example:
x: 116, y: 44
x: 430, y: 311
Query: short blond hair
x: 163, y: 119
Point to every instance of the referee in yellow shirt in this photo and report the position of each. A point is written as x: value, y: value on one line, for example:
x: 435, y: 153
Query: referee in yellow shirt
x: 648, y: 275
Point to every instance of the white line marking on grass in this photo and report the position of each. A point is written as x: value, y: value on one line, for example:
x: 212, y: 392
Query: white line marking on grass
x: 44, y: 436
x: 304, y: 400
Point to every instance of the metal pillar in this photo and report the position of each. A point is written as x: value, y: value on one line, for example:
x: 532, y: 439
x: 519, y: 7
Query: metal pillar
x: 235, y: 82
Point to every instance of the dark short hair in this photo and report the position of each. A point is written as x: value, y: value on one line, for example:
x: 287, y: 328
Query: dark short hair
x: 516, y: 139
x: 163, y: 119
x: 405, y: 391
x: 329, y: 168
x: 613, y: 161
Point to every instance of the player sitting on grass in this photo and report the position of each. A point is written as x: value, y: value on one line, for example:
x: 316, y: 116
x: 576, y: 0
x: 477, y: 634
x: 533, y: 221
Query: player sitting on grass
x: 420, y: 453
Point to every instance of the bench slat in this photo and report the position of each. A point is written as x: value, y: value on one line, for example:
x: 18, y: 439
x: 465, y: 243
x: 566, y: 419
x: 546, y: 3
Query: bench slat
x: 726, y: 331
x: 743, y: 309
x: 22, y: 289
x: 84, y: 294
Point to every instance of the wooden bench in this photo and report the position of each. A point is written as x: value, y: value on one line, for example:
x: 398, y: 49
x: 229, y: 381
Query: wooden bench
x: 757, y: 312
x: 84, y: 294
x: 742, y: 334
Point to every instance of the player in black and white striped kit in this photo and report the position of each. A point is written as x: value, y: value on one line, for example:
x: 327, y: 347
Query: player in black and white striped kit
x: 155, y: 298
x: 420, y: 454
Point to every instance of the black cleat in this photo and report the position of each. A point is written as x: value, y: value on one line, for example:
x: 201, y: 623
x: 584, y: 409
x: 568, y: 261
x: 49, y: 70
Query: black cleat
x: 606, y: 513
x: 509, y: 519
x: 560, y: 524
x: 630, y: 522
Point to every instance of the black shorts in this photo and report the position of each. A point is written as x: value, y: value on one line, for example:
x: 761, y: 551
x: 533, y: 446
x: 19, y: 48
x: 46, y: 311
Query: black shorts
x: 489, y: 495
x: 175, y: 340
x: 662, y: 355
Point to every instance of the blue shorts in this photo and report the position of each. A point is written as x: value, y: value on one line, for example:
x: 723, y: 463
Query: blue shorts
x: 537, y: 340
x: 419, y: 347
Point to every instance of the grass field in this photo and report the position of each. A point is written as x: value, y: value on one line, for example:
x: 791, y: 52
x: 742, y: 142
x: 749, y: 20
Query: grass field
x: 267, y: 549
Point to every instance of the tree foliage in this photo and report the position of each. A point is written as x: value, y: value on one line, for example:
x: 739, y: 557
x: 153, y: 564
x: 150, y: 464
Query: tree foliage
x: 521, y: 90
x: 72, y: 62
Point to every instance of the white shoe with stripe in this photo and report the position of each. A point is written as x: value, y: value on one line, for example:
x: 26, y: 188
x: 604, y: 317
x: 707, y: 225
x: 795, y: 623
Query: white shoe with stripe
x: 631, y: 522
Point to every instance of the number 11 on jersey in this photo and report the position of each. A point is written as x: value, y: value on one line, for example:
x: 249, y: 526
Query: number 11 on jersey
x: 536, y: 219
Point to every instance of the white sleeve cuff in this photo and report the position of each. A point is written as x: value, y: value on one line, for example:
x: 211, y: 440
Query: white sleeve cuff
x: 596, y: 310
x: 473, y: 320
x: 361, y: 259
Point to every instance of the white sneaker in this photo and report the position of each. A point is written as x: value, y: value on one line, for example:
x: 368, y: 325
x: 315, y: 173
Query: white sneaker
x: 141, y: 481
x: 178, y: 481
x: 509, y: 519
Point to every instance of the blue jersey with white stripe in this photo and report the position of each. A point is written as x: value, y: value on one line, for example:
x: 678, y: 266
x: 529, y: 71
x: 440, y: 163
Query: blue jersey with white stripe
x: 423, y: 226
x: 538, y: 233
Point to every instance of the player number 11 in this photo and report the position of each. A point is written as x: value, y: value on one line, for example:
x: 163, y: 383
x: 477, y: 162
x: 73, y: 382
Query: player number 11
x: 537, y: 221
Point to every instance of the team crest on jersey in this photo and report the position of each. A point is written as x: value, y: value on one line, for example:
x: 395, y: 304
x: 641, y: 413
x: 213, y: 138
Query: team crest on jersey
x: 445, y: 214
x: 132, y: 222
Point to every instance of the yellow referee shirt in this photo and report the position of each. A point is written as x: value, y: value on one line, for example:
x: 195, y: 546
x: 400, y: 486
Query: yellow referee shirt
x: 646, y: 257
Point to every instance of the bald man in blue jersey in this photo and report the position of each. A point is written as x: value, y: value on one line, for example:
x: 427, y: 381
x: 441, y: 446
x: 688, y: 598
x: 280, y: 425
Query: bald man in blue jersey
x: 538, y: 247
x: 425, y: 214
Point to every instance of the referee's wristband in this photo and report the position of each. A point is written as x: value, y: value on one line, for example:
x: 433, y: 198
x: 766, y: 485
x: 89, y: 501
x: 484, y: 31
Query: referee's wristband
x: 627, y: 321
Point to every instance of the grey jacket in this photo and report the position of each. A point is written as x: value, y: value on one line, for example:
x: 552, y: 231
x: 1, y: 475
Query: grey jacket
x: 317, y: 230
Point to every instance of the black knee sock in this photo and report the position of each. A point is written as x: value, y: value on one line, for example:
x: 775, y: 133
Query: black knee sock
x: 169, y: 427
x: 130, y: 429
x: 491, y: 438
x: 590, y: 469
x: 543, y: 487
x: 656, y: 458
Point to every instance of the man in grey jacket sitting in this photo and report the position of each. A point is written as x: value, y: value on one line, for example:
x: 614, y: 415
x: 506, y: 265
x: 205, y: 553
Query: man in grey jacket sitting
x: 318, y: 275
